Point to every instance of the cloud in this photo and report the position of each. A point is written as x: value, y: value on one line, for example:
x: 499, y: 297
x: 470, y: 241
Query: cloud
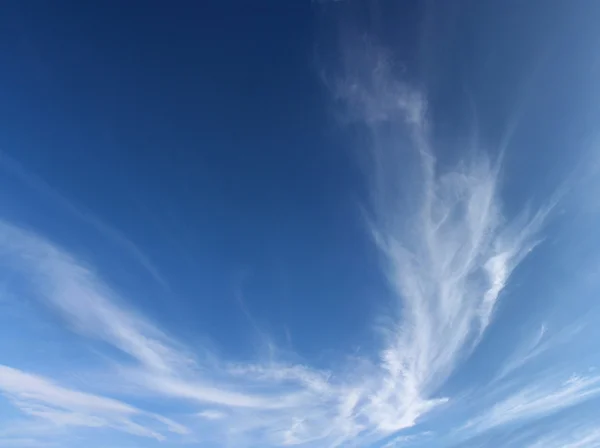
x: 564, y: 433
x: 542, y: 343
x: 40, y: 186
x: 289, y: 403
x: 90, y: 307
x: 569, y: 438
x: 30, y: 433
x: 448, y: 248
x: 407, y: 440
x: 85, y: 301
x: 532, y: 349
x: 24, y: 442
x: 544, y: 398
x: 41, y: 398
x: 211, y: 414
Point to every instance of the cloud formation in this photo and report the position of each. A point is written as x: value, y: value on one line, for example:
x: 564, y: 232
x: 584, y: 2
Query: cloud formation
x: 40, y: 398
x: 586, y: 437
x: 448, y: 248
x: 538, y: 400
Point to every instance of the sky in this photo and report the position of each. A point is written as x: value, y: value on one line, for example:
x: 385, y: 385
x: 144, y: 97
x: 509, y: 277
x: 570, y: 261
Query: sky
x: 304, y: 223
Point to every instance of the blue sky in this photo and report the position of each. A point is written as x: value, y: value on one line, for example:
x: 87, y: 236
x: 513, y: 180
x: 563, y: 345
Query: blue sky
x: 313, y: 224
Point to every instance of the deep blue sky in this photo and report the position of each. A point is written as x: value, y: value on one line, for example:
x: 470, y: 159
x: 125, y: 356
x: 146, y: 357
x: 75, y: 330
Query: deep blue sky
x: 306, y: 223
x: 203, y: 133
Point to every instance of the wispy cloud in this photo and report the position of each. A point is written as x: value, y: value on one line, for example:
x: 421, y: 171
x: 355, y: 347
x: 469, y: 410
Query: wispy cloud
x: 529, y: 351
x: 39, y: 185
x: 211, y: 414
x: 407, y: 440
x: 41, y: 398
x: 448, y: 248
x: 84, y: 300
x: 95, y: 310
x: 289, y: 403
x: 586, y: 437
x: 545, y: 397
x: 564, y: 433
x: 29, y: 433
x: 543, y: 341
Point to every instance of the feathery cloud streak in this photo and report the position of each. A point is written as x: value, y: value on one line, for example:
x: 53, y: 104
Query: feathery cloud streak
x: 573, y: 438
x: 45, y: 400
x: 538, y: 400
x: 448, y: 248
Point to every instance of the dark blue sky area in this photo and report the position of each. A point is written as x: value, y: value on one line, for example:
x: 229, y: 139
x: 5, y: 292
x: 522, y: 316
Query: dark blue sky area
x: 204, y: 134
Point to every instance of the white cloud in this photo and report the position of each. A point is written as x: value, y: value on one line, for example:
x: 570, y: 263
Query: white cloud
x: 569, y: 438
x: 85, y: 301
x: 28, y: 433
x: 533, y: 348
x: 406, y: 440
x: 543, y: 342
x: 211, y: 414
x: 546, y: 397
x: 448, y: 249
x: 41, y: 398
x: 275, y: 412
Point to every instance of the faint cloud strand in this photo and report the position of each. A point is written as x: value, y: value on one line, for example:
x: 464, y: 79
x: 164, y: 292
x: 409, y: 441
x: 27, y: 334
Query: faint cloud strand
x: 569, y: 438
x: 42, y: 399
x: 43, y: 188
x: 534, y: 401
